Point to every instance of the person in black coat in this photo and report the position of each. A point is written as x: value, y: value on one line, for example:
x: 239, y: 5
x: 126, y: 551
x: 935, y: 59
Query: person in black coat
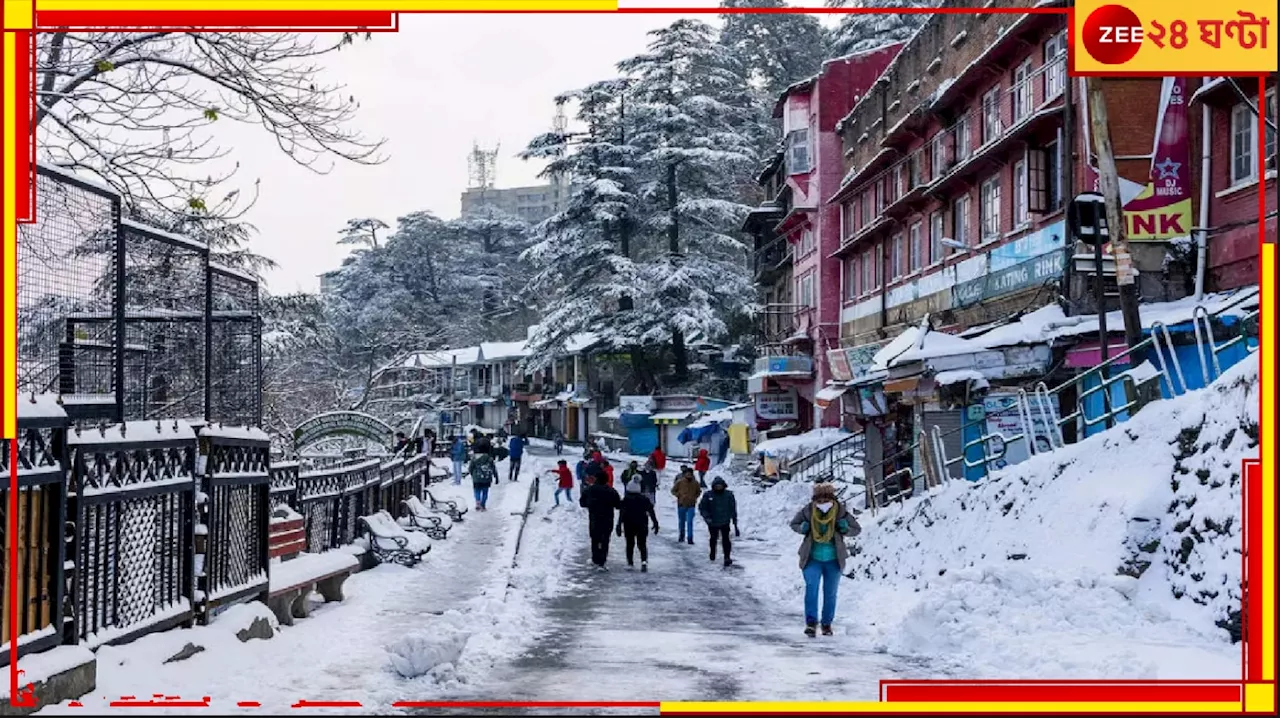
x: 633, y: 518
x: 600, y: 500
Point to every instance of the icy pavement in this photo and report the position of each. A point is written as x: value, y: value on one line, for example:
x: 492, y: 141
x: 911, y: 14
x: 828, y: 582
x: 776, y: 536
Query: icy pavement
x: 343, y: 652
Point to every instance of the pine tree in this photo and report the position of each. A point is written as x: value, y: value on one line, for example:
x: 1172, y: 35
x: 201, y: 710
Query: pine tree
x: 584, y: 276
x: 778, y: 49
x: 362, y: 230
x: 487, y: 247
x: 859, y: 32
x: 696, y: 155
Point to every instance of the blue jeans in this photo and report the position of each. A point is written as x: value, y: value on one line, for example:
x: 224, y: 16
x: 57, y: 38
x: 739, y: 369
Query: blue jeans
x: 568, y: 495
x: 828, y: 573
x: 482, y: 495
x: 685, y: 518
x: 457, y: 472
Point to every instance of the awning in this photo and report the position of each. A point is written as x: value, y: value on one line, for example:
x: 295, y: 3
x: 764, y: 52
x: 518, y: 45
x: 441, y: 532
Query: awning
x: 614, y: 413
x: 899, y: 386
x: 695, y: 434
x: 564, y: 396
x: 828, y: 394
x: 670, y: 417
x: 544, y: 404
x: 481, y: 400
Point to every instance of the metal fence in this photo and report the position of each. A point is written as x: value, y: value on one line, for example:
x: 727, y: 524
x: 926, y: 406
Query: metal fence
x: 235, y: 515
x: 128, y: 322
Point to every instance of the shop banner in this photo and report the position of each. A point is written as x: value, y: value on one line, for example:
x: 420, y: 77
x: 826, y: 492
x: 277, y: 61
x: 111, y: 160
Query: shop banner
x: 839, y: 362
x: 777, y: 406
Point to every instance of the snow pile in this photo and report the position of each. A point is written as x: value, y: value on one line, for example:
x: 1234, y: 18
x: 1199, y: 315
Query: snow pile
x: 791, y: 447
x: 1119, y: 556
x: 39, y: 667
x: 420, y: 654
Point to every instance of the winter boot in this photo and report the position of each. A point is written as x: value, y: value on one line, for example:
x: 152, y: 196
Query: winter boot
x: 713, y: 554
x: 681, y: 539
x: 728, y: 562
x: 690, y: 540
x: 810, y: 630
x: 826, y: 629
x: 644, y: 567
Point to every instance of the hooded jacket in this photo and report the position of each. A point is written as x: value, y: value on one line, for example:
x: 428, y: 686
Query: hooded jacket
x: 703, y: 462
x: 636, y: 511
x: 718, y: 508
x: 600, y: 501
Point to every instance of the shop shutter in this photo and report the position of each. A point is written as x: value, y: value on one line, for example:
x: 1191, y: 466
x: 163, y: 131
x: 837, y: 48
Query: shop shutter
x: 948, y: 423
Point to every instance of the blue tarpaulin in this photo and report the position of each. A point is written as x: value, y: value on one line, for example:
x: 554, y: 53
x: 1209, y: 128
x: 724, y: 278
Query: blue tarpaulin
x: 696, y: 434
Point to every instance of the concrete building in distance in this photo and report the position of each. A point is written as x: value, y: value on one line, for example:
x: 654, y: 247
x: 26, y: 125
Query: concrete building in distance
x: 531, y: 204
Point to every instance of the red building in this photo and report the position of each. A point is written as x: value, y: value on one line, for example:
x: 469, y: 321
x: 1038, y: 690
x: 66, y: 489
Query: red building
x: 1236, y: 174
x: 796, y: 230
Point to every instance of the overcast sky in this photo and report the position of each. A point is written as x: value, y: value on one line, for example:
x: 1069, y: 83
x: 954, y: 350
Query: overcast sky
x: 431, y: 89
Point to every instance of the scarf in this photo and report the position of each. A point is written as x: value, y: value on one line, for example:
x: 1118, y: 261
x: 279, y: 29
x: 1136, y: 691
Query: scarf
x: 822, y: 527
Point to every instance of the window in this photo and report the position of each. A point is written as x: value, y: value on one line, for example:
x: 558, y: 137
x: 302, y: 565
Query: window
x: 798, y: 152
x: 1055, y: 70
x: 1022, y: 98
x: 913, y: 171
x: 937, y: 226
x: 938, y: 156
x: 804, y: 291
x: 1053, y: 176
x: 806, y: 243
x: 879, y: 190
x: 1020, y: 214
x: 867, y: 214
x: 851, y: 277
x: 870, y: 271
x: 960, y: 221
x: 963, y: 141
x: 917, y: 247
x: 991, y: 115
x: 895, y: 256
x: 1244, y: 140
x: 847, y: 219
x: 990, y: 209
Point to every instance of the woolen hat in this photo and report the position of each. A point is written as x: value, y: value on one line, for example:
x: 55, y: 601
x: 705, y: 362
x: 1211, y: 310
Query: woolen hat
x: 824, y: 491
x: 633, y: 487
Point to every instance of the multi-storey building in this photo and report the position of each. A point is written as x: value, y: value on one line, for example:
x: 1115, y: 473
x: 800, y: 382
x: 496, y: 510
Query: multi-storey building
x: 795, y: 230
x: 531, y: 204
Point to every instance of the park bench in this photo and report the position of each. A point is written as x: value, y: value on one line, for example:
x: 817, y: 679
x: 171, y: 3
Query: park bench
x: 420, y: 517
x: 296, y: 574
x: 390, y: 542
x: 450, y: 508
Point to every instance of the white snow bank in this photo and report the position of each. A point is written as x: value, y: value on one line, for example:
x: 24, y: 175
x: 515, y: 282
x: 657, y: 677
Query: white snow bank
x: 243, y: 433
x: 38, y: 667
x: 790, y: 447
x: 1116, y: 557
x: 40, y: 406
x: 166, y: 430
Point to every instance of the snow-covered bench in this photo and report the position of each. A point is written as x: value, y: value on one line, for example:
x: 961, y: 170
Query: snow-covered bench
x: 295, y: 573
x: 420, y: 517
x: 389, y: 541
x: 450, y: 508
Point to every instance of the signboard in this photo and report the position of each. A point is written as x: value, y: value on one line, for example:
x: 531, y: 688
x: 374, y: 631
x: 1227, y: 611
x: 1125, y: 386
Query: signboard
x: 635, y: 405
x: 1161, y: 210
x: 839, y: 362
x: 1004, y: 419
x: 1046, y: 240
x: 341, y: 423
x: 777, y: 406
x: 789, y: 364
x: 1021, y: 276
x: 860, y: 359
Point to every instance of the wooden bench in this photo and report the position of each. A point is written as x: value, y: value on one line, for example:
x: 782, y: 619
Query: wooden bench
x: 420, y: 517
x: 449, y: 508
x: 390, y: 542
x: 296, y: 574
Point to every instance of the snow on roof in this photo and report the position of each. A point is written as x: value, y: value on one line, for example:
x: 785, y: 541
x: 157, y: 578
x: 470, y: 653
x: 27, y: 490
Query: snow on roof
x: 442, y: 358
x: 167, y: 430
x: 580, y: 342
x: 498, y: 351
x: 936, y: 344
x: 889, y: 352
x: 1206, y: 88
x: 800, y: 444
x: 957, y: 376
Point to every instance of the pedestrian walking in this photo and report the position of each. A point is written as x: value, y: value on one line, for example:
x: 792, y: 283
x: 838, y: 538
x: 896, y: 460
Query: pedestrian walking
x: 402, y: 443
x: 824, y: 522
x: 659, y: 459
x: 483, y: 474
x: 631, y: 473
x: 719, y: 509
x: 634, y: 515
x: 600, y: 501
x: 702, y: 465
x: 558, y: 442
x: 564, y: 481
x: 515, y: 452
x: 686, y: 490
x: 649, y: 482
x: 459, y: 455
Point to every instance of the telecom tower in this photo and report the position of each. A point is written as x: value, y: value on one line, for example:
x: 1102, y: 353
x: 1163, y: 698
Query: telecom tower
x: 482, y: 166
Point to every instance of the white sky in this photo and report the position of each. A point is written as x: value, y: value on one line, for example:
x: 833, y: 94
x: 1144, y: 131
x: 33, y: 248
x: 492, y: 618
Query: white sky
x: 430, y: 89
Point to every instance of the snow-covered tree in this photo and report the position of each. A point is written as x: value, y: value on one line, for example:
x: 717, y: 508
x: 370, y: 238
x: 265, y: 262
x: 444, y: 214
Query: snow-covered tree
x: 361, y: 231
x: 691, y: 128
x: 487, y: 248
x: 863, y: 31
x: 137, y: 109
x: 778, y: 49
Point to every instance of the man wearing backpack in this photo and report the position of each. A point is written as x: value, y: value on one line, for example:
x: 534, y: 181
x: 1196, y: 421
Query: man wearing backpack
x: 483, y: 473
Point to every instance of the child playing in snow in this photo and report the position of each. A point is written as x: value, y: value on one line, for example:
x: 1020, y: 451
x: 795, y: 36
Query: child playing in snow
x: 564, y: 481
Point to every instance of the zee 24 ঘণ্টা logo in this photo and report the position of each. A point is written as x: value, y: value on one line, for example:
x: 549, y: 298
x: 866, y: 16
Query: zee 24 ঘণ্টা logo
x: 1114, y: 34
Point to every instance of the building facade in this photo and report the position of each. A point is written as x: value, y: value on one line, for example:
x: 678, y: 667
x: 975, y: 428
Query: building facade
x: 531, y: 204
x: 795, y: 230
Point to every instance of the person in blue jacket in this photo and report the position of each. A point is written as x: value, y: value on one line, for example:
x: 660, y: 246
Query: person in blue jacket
x: 459, y: 455
x: 581, y: 471
x: 515, y: 451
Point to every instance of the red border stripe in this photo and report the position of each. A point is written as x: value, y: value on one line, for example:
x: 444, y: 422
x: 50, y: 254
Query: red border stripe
x: 205, y: 20
x: 1058, y: 692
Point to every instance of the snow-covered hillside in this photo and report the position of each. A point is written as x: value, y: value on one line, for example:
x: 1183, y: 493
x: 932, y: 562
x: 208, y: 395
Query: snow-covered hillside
x: 1119, y: 556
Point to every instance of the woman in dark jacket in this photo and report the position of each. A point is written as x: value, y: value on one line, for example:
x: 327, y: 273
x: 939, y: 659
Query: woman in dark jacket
x: 633, y: 518
x: 825, y: 523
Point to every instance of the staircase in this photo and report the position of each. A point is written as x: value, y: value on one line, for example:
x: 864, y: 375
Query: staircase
x: 841, y: 461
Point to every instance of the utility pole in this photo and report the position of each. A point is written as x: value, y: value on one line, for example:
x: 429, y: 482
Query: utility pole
x: 1109, y: 187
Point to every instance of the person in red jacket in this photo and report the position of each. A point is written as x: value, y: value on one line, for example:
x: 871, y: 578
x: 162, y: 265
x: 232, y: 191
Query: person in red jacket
x: 564, y: 481
x: 608, y: 473
x: 702, y: 465
x: 659, y: 459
